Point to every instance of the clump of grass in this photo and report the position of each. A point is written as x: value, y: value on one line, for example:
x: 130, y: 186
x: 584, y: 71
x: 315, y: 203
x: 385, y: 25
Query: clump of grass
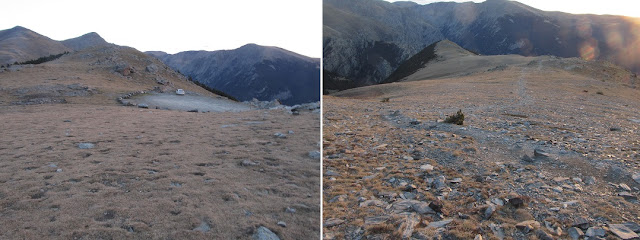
x: 385, y: 99
x: 457, y: 119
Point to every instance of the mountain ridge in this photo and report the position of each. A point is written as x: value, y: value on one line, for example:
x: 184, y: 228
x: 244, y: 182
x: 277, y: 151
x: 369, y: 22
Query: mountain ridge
x: 355, y: 30
x: 252, y: 71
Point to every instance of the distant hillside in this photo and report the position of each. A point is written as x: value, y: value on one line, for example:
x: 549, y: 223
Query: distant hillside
x: 365, y: 41
x: 252, y: 71
x: 19, y: 44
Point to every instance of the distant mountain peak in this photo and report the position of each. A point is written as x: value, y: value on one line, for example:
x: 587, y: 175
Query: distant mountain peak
x: 85, y: 41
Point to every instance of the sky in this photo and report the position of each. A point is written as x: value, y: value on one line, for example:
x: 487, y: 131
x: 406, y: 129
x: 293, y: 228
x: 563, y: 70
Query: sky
x: 174, y: 26
x: 612, y: 7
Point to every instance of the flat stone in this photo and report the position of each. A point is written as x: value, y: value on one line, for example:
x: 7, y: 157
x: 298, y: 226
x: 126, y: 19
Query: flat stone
x: 636, y: 177
x: 622, y: 231
x: 575, y: 233
x: 375, y: 220
x: 426, y: 167
x: 580, y: 222
x: 624, y: 187
x: 439, y: 224
x: 264, y: 233
x: 331, y: 173
x: 540, y: 153
x: 86, y: 145
x: 282, y: 224
x: 633, y: 226
x: 143, y: 105
x: 497, y: 230
x: 560, y: 179
x: 248, y: 163
x: 204, y: 227
x: 333, y: 222
x: 369, y: 203
x: 456, y: 180
x: 314, y: 155
x: 440, y: 182
x: 595, y: 232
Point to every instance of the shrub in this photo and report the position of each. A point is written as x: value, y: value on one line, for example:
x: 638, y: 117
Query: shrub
x: 457, y: 119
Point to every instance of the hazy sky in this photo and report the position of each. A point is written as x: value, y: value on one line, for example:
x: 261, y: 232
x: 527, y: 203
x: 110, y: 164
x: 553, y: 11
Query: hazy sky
x: 174, y: 26
x: 613, y: 7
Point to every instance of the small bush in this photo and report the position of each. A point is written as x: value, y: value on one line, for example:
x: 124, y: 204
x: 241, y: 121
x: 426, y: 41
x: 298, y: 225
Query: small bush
x: 457, y: 119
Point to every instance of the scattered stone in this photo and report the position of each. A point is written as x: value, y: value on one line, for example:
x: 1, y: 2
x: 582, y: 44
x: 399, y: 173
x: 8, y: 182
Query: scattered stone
x: 86, y: 145
x: 375, y: 220
x: 408, y: 225
x: 527, y: 226
x: 478, y: 237
x: 615, y: 129
x: 439, y: 224
x: 331, y: 173
x: 282, y: 224
x: 575, y: 233
x: 557, y: 189
x: 193, y: 110
x: 580, y: 222
x: 248, y: 163
x: 516, y: 202
x: 426, y: 167
x: 422, y: 208
x: 489, y: 211
x: 204, y: 227
x: 152, y: 68
x: 497, y: 201
x: 436, y: 206
x: 314, y: 155
x: 280, y: 135
x: 368, y: 203
x: 143, y: 105
x: 264, y: 233
x: 526, y: 158
x: 456, y: 180
x: 591, y: 180
x: 595, y: 232
x: 59, y: 170
x: 339, y: 198
x: 497, y: 230
x: 560, y: 179
x: 542, y: 235
x: 333, y: 222
x: 290, y: 210
x: 440, y: 182
x: 622, y: 231
x: 627, y: 195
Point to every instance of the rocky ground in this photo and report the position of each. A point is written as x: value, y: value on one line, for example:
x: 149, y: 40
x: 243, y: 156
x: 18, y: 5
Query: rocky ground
x: 544, y: 153
x: 73, y: 171
x: 76, y: 164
